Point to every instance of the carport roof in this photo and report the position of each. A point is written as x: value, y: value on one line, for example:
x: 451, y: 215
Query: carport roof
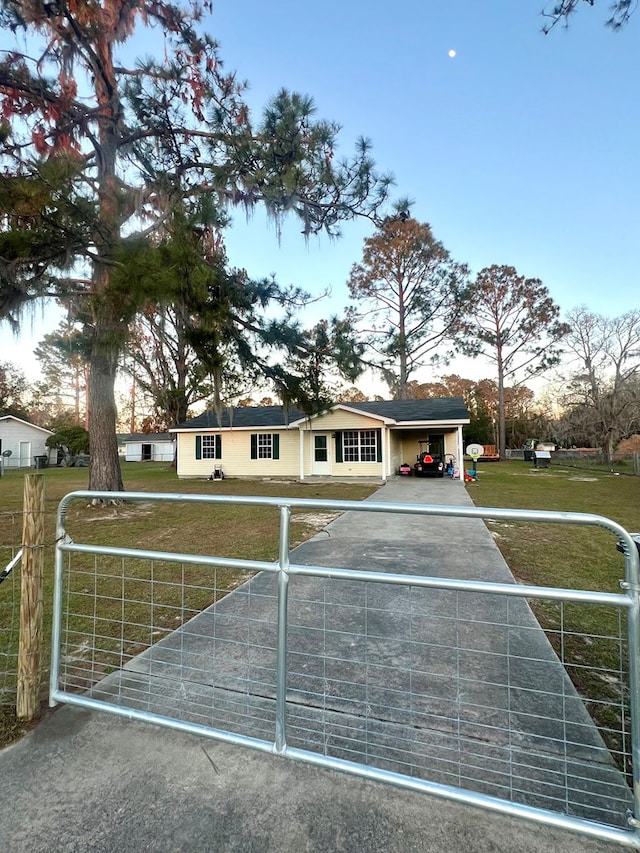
x: 437, y: 409
x: 401, y: 411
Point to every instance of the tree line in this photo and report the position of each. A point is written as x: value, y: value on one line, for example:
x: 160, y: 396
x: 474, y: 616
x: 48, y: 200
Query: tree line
x: 117, y: 179
x: 592, y: 398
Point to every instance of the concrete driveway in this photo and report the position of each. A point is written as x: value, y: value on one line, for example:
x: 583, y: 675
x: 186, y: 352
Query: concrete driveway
x: 477, y: 716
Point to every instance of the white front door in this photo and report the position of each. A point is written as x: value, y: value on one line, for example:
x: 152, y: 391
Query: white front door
x: 320, y: 460
x: 25, y: 454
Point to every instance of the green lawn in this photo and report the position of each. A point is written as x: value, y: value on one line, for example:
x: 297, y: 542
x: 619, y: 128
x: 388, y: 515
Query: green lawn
x: 589, y: 639
x: 232, y: 531
x: 560, y: 555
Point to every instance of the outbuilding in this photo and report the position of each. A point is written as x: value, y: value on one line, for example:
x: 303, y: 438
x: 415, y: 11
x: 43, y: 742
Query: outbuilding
x: 21, y: 442
x: 147, y: 447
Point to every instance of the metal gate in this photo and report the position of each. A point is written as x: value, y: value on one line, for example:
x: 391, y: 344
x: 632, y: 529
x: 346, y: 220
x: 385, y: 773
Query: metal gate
x: 436, y: 684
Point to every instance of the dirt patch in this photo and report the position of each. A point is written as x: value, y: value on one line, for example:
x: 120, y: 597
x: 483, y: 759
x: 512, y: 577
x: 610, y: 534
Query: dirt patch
x: 116, y: 512
x: 317, y: 520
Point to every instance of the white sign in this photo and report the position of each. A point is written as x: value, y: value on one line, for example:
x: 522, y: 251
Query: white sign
x: 475, y: 450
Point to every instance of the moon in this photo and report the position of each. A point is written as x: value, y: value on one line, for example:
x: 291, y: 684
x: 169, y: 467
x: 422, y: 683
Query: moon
x: 452, y: 53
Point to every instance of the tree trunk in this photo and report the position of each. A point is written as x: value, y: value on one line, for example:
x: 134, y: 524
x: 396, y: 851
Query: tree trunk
x: 76, y: 392
x: 86, y: 397
x: 403, y: 391
x: 104, y: 464
x: 502, y: 424
x: 609, y: 447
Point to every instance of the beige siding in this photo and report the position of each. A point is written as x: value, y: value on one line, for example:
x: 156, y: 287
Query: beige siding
x: 337, y: 422
x: 341, y: 469
x: 344, y: 420
x: 236, y: 456
x: 357, y: 469
x: 450, y: 439
x: 396, y: 457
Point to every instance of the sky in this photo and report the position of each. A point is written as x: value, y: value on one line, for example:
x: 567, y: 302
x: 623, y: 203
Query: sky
x: 521, y: 149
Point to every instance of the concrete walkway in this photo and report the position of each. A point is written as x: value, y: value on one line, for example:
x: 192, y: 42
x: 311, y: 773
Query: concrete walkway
x: 87, y: 781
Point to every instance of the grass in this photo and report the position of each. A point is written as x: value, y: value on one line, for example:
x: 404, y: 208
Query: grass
x: 557, y: 554
x: 148, y: 597
x: 589, y: 639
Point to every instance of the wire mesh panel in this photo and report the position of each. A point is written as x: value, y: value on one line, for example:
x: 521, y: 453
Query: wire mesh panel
x: 159, y: 637
x: 9, y: 623
x: 458, y: 688
x: 450, y: 682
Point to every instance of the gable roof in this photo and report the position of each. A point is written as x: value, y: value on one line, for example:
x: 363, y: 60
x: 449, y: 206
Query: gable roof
x: 431, y: 409
x: 26, y: 423
x: 245, y: 416
x: 399, y: 411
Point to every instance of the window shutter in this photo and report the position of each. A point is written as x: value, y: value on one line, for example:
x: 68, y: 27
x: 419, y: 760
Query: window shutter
x: 338, y: 447
x: 254, y: 446
x: 378, y: 445
x: 218, y: 449
x: 198, y: 447
x: 276, y: 445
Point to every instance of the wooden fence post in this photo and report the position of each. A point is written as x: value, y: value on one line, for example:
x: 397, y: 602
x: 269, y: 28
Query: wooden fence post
x: 30, y: 643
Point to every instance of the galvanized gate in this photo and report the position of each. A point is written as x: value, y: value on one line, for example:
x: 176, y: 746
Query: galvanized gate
x: 443, y: 685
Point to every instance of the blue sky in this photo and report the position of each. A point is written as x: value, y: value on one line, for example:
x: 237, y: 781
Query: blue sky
x: 520, y: 150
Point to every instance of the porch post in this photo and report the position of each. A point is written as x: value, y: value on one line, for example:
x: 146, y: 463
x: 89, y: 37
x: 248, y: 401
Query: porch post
x: 389, y: 471
x: 301, y: 459
x: 460, y: 454
x: 385, y: 455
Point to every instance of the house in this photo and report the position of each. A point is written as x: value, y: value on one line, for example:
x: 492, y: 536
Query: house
x: 369, y: 439
x: 21, y: 442
x: 147, y: 447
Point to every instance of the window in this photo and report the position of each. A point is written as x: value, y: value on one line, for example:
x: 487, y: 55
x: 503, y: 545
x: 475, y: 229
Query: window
x: 208, y: 447
x: 359, y: 445
x: 321, y: 453
x: 265, y: 445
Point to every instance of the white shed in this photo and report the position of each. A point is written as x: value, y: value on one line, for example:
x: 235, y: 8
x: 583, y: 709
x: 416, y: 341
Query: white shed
x: 21, y: 442
x: 151, y: 447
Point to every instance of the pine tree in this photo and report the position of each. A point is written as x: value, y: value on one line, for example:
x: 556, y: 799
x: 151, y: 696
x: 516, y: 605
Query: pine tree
x: 94, y: 149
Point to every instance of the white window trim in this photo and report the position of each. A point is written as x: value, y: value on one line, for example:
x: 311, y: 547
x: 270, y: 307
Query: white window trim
x: 370, y: 445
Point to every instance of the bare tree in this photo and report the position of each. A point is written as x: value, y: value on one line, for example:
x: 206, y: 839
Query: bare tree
x: 604, y: 388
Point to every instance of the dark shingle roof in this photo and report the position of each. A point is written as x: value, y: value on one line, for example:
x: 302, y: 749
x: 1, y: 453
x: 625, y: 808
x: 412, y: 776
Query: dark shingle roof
x: 245, y: 416
x: 434, y: 409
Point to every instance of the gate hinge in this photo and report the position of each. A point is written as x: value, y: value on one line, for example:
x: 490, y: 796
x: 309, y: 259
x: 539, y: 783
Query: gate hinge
x: 632, y: 820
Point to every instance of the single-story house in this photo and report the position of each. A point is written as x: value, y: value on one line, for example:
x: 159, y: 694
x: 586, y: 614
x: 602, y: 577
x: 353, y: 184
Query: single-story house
x: 21, y: 442
x: 369, y: 439
x: 147, y: 447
